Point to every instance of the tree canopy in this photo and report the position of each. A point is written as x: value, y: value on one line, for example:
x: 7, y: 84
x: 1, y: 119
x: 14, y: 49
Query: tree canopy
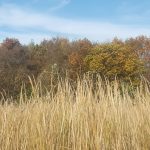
x: 125, y: 60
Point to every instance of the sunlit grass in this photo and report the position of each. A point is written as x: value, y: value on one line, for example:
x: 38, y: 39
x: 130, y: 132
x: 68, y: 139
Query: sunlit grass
x: 84, y: 118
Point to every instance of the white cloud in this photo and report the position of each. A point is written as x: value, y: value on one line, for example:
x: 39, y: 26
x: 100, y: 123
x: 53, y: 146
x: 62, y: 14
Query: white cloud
x: 51, y: 5
x: 12, y: 16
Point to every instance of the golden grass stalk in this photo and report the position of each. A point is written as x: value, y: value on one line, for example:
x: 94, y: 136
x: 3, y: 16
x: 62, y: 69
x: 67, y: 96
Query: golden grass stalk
x: 89, y: 117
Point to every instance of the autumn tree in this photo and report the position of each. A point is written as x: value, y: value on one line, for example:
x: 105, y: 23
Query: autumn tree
x: 141, y: 46
x: 80, y: 50
x: 13, y: 70
x: 114, y: 60
x: 12, y: 53
x: 52, y: 58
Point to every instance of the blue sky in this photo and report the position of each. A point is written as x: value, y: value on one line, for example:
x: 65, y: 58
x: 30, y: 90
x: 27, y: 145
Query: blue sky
x: 97, y: 20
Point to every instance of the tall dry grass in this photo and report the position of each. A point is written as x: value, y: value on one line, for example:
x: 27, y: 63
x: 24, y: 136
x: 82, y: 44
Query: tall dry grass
x: 85, y: 118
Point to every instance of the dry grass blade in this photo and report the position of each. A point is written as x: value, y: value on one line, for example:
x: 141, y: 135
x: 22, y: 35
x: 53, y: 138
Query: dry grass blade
x: 89, y: 117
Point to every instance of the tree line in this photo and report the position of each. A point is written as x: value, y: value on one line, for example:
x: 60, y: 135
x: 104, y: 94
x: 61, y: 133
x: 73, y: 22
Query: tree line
x: 125, y: 60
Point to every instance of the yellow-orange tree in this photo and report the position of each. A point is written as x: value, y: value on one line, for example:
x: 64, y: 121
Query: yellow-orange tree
x: 115, y: 60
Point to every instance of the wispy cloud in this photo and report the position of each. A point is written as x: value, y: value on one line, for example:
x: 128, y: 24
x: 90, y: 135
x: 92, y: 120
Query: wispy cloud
x: 60, y: 5
x: 12, y: 16
x: 45, y: 5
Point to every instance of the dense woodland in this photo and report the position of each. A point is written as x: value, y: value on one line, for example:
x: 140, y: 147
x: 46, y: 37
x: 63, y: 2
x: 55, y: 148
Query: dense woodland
x: 125, y: 60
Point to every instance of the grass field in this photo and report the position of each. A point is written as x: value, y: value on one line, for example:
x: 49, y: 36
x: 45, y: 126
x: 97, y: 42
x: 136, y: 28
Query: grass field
x: 80, y: 119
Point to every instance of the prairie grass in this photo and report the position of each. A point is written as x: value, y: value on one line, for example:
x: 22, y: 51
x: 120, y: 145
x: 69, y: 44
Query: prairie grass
x: 88, y: 117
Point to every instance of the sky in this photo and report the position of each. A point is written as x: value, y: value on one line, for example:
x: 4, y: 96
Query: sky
x: 97, y: 20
